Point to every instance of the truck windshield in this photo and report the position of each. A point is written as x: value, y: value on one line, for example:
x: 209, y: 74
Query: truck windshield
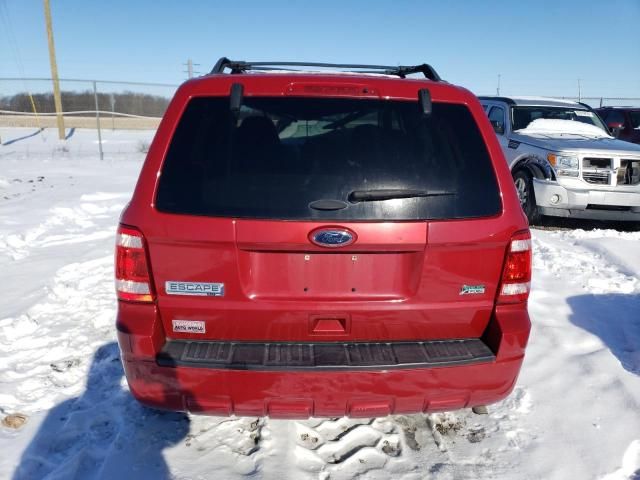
x: 521, y: 117
x: 340, y: 159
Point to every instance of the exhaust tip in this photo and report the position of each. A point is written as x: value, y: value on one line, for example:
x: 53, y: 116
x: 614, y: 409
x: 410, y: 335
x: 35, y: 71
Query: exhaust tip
x: 480, y: 410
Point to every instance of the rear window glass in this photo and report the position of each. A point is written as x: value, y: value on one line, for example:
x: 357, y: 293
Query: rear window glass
x: 277, y: 156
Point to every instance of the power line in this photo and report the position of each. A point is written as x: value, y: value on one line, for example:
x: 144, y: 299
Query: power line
x: 13, y: 44
x: 5, y: 16
x: 89, y: 80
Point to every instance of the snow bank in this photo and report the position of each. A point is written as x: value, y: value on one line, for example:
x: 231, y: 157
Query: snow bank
x: 555, y: 126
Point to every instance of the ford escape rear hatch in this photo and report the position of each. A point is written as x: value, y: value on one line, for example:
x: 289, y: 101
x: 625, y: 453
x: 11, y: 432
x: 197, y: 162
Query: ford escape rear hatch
x: 296, y: 231
x: 245, y: 192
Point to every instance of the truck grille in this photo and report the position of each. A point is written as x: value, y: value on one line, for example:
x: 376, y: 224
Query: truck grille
x: 597, y: 170
x: 601, y: 178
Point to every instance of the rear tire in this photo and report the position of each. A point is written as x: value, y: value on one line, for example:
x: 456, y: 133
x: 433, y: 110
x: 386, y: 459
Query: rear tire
x: 523, y: 180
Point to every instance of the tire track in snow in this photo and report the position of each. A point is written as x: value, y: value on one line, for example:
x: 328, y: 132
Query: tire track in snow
x: 344, y: 447
x: 458, y: 445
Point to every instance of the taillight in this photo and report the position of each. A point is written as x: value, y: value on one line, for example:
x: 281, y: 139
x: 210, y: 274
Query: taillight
x: 516, y: 276
x: 133, y: 279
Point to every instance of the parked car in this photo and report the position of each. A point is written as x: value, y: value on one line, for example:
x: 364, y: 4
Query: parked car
x: 623, y: 122
x: 563, y: 160
x: 322, y: 244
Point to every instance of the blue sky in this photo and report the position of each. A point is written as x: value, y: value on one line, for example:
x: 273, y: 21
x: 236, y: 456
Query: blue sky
x: 540, y: 47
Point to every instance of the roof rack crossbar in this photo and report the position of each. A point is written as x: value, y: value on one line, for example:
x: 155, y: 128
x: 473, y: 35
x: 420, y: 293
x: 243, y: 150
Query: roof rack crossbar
x: 239, y: 66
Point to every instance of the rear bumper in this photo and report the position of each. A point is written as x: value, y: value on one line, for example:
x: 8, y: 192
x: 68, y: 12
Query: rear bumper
x: 559, y: 201
x: 320, y: 393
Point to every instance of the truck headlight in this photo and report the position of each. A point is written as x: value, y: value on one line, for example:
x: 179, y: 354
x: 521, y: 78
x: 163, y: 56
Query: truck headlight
x: 566, y: 165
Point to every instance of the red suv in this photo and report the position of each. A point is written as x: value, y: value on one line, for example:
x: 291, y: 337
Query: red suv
x: 623, y: 122
x: 337, y: 242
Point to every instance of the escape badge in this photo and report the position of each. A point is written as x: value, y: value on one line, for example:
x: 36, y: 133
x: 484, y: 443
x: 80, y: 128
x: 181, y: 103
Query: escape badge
x: 194, y: 288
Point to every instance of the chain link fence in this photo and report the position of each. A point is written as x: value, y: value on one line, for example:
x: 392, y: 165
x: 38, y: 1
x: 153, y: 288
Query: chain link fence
x: 121, y: 105
x: 101, y: 105
x: 28, y: 102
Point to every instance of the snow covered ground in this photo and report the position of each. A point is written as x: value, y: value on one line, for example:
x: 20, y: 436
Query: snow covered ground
x: 575, y: 412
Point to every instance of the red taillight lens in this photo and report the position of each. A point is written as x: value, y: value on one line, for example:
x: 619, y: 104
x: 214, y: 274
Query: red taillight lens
x: 516, y: 276
x: 133, y: 280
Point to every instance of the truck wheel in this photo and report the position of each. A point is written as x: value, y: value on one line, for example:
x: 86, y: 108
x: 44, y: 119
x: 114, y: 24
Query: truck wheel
x: 524, y: 186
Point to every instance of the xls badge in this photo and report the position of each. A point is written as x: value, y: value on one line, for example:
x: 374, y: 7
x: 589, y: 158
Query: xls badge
x: 472, y: 290
x: 194, y: 288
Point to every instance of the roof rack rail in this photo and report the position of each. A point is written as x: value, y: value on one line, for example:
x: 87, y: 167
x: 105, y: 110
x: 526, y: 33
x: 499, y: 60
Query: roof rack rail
x: 239, y: 66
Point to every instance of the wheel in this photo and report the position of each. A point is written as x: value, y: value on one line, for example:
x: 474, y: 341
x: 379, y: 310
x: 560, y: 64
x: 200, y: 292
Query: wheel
x: 524, y: 186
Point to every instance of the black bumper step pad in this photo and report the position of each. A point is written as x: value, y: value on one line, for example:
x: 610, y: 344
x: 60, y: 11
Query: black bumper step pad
x: 323, y: 356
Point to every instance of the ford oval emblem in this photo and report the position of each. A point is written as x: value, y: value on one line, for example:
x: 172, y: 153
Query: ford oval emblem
x: 332, y: 237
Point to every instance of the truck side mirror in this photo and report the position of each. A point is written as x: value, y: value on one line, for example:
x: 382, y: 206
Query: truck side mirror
x: 615, y: 128
x: 498, y: 127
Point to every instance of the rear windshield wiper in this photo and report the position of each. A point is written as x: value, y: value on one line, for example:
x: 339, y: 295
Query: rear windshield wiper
x: 391, y: 193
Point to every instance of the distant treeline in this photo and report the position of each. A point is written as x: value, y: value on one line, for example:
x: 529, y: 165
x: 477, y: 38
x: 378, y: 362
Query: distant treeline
x: 125, y: 102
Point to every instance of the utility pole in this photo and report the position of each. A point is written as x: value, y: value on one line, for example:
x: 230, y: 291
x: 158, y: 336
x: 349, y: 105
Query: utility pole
x: 579, y: 91
x: 95, y: 97
x: 190, y: 68
x: 498, y: 89
x: 57, y: 99
x: 112, y: 99
x: 190, y: 72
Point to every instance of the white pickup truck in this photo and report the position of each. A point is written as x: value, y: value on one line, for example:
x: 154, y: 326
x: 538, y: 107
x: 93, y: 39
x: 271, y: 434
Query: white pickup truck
x: 563, y: 160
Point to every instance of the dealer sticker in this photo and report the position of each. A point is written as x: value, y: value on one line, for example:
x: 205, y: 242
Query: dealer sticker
x: 188, y: 326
